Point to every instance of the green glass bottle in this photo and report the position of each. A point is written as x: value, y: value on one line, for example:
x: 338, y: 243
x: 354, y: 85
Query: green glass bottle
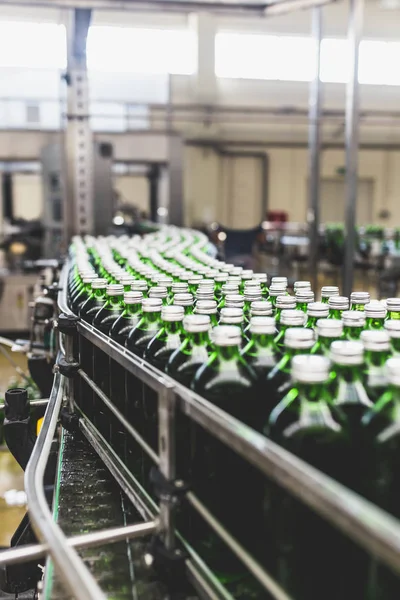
x: 91, y: 307
x: 129, y: 317
x: 375, y: 315
x: 297, y: 340
x: 337, y: 304
x: 82, y: 293
x: 262, y: 279
x: 348, y: 391
x: 260, y: 354
x: 186, y: 301
x: 194, y: 282
x: 126, y: 281
x: 289, y: 318
x: 307, y: 424
x: 233, y: 316
x: 358, y: 300
x: 167, y: 339
x: 179, y: 287
x: 193, y: 352
x: 227, y: 381
x: 276, y: 290
x: 377, y: 351
x: 111, y: 309
x: 393, y: 308
x: 327, y: 291
x: 328, y: 330
x: 234, y: 301
x: 353, y: 324
x: 382, y: 426
x: 304, y: 298
x: 220, y: 279
x: 251, y: 294
x: 316, y: 311
x: 392, y: 327
x: 209, y: 308
x: 159, y: 291
x: 284, y: 303
x: 140, y: 285
x: 247, y: 275
x: 301, y: 285
x: 227, y: 288
x: 147, y: 327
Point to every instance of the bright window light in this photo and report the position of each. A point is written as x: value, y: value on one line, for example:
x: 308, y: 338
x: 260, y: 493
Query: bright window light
x: 334, y: 61
x: 32, y: 45
x: 239, y: 55
x: 289, y: 58
x: 134, y: 50
x: 295, y: 58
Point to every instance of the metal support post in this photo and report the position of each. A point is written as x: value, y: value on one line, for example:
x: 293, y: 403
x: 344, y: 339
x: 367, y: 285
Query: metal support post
x: 66, y: 324
x: 356, y: 9
x: 167, y: 466
x: 78, y: 200
x: 314, y: 148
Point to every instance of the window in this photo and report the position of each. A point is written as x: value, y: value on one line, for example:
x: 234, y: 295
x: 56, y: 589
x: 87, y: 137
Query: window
x: 134, y: 50
x: 262, y: 56
x: 32, y: 45
x: 289, y: 58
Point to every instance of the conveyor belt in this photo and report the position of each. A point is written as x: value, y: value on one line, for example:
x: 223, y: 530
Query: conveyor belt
x: 89, y: 499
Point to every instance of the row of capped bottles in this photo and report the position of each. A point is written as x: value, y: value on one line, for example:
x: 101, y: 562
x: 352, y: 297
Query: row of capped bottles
x: 319, y: 378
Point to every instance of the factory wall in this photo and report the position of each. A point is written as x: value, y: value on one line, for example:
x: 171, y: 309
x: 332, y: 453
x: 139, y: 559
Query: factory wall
x: 287, y: 182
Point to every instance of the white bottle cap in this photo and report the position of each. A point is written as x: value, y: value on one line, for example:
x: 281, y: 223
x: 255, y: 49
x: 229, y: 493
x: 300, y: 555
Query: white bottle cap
x: 375, y: 310
x: 172, y: 313
x: 226, y: 335
x: 353, y: 318
x: 115, y: 289
x: 377, y: 341
x: 329, y: 328
x: 291, y: 318
x: 133, y: 297
x: 347, y: 353
x: 196, y: 323
x: 262, y: 325
x: 338, y: 302
x: 392, y: 326
x: 393, y: 370
x: 299, y: 337
x: 317, y: 309
x: 310, y: 369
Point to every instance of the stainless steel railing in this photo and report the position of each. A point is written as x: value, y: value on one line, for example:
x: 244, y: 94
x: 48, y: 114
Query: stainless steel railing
x: 371, y: 528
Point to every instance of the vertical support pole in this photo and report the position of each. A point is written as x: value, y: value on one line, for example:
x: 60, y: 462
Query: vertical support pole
x: 78, y: 202
x: 66, y: 325
x: 314, y: 146
x: 356, y: 9
x: 166, y: 442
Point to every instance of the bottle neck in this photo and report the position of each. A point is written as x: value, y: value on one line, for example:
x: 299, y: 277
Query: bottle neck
x: 226, y: 353
x: 374, y: 323
x: 132, y: 309
x: 395, y: 345
x: 172, y: 327
x: 99, y: 293
x: 302, y: 306
x: 335, y: 313
x: 114, y: 301
x: 376, y: 358
x: 262, y: 340
x: 199, y: 338
x: 151, y: 317
x: 349, y: 373
x: 312, y: 392
x: 352, y: 333
x: 360, y: 307
x: 393, y: 314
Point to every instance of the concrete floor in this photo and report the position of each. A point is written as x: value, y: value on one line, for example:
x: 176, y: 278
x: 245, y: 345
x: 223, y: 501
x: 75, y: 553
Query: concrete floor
x: 11, y: 474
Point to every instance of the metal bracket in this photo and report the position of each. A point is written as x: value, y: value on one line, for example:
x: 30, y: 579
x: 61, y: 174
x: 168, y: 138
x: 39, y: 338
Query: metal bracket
x: 171, y: 491
x: 68, y: 369
x: 67, y: 324
x: 70, y: 421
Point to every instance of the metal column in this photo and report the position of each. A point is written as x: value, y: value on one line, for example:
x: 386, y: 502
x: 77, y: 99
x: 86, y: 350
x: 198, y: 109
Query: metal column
x: 78, y: 200
x: 356, y: 9
x: 314, y: 146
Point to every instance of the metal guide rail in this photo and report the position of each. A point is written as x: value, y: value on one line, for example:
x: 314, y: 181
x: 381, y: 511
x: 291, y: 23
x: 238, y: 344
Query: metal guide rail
x: 111, y: 433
